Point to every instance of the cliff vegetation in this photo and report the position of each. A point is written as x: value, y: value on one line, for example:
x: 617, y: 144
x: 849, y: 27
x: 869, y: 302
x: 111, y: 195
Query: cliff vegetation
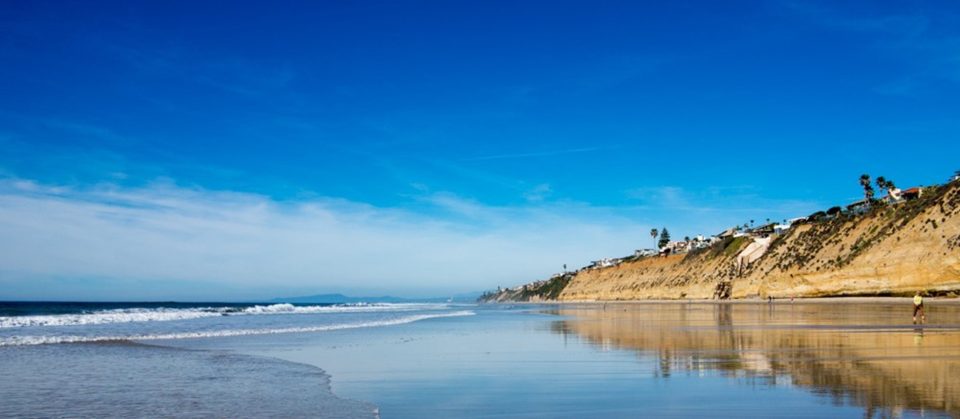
x: 881, y: 249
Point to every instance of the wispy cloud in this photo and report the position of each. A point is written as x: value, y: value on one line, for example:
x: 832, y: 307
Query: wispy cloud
x: 538, y: 193
x: 163, y: 233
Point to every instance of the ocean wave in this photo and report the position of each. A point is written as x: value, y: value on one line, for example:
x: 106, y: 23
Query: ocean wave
x: 42, y: 340
x: 130, y: 315
x: 340, y: 308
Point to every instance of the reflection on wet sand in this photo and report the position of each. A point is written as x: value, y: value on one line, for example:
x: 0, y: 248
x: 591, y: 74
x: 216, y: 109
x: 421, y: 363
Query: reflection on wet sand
x: 862, y: 353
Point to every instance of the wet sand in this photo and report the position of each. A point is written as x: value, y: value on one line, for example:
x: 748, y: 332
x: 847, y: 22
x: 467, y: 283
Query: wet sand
x: 892, y: 301
x: 823, y: 358
x: 867, y: 353
x: 121, y: 379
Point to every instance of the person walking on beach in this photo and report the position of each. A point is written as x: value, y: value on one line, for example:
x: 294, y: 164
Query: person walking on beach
x: 918, y: 307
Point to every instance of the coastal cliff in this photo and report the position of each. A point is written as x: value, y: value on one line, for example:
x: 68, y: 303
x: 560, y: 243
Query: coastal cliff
x: 887, y: 249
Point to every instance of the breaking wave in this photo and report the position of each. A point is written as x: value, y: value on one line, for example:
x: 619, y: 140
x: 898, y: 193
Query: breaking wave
x: 128, y: 315
x: 41, y: 340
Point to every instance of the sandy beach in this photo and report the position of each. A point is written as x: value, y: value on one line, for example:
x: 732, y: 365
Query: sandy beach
x: 812, y: 300
x: 809, y: 358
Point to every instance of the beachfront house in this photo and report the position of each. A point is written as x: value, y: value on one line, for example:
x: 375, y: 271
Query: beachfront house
x: 894, y: 196
x: 912, y: 193
x: 613, y: 261
x: 859, y: 207
x: 764, y: 230
x: 605, y: 263
x: 644, y: 253
x: 701, y: 242
x: 677, y: 247
x: 781, y: 228
x: 698, y: 244
x: 730, y: 232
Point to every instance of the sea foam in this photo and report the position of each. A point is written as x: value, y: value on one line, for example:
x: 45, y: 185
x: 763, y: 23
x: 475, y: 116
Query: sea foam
x: 128, y: 315
x: 41, y: 340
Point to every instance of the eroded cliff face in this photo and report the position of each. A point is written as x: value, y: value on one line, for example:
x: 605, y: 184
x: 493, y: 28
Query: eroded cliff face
x: 890, y: 250
x: 671, y: 277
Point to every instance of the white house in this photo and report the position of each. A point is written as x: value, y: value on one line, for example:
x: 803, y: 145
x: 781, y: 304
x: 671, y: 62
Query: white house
x: 894, y: 195
x: 781, y: 228
x: 677, y: 247
x: 644, y: 253
x: 606, y: 263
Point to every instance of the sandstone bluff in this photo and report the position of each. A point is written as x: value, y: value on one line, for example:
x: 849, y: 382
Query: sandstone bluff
x: 889, y: 249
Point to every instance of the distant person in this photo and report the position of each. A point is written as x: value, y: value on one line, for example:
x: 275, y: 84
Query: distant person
x: 918, y: 308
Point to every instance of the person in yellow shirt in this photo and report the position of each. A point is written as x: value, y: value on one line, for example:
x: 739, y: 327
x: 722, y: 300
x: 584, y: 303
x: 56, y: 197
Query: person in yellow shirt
x: 918, y: 307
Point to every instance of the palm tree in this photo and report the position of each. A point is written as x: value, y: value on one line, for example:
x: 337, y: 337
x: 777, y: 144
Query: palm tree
x: 653, y: 233
x: 885, y: 185
x: 867, y: 189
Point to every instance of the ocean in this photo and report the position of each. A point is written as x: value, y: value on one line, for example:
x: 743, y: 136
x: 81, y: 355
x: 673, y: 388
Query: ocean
x: 478, y: 361
x: 115, y: 359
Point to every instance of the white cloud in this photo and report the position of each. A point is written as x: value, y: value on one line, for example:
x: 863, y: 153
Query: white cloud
x: 538, y: 193
x: 163, y: 232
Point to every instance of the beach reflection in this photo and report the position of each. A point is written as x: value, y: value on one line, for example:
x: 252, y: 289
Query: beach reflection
x: 864, y: 354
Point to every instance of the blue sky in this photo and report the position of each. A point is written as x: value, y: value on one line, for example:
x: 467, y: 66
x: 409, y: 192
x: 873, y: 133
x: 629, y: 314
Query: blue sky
x: 154, y: 150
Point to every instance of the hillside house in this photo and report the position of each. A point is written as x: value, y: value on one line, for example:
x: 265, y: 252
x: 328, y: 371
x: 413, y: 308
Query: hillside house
x: 644, y: 253
x: 764, y: 230
x: 701, y: 242
x: 912, y: 193
x: 781, y: 228
x: 730, y: 232
x: 605, y: 263
x: 894, y: 195
x: 697, y: 244
x: 677, y: 247
x: 859, y: 207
